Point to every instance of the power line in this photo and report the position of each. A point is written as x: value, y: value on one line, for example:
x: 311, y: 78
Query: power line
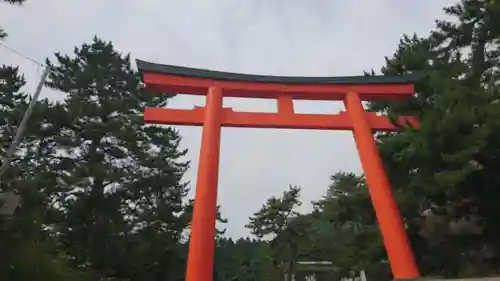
x: 20, y: 54
x: 26, y: 57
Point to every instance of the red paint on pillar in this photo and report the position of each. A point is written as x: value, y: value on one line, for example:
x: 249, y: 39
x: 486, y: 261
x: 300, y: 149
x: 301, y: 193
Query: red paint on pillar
x: 202, y: 240
x: 391, y: 224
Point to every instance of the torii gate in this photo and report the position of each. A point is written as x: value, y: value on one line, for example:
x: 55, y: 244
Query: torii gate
x: 215, y: 85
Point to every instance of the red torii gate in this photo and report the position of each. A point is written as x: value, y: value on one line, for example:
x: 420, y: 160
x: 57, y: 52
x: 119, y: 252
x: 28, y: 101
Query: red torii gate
x: 216, y: 85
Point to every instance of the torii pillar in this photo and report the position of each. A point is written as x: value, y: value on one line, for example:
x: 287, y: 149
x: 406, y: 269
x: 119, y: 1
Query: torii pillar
x: 215, y: 85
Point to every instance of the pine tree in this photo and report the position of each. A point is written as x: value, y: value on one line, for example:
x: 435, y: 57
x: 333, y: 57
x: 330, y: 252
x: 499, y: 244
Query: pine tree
x: 345, y: 230
x: 122, y: 191
x: 278, y: 218
x: 474, y: 36
x: 444, y: 172
x: 27, y: 252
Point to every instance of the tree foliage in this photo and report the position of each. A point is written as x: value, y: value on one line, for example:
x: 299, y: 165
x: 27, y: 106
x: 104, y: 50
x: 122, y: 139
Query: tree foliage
x: 121, y: 190
x: 243, y: 259
x: 27, y: 251
x: 444, y: 171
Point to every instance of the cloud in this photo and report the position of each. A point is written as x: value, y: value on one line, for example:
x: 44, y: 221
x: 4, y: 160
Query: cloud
x: 279, y: 37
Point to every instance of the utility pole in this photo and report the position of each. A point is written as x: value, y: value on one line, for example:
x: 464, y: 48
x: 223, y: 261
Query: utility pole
x: 22, y: 125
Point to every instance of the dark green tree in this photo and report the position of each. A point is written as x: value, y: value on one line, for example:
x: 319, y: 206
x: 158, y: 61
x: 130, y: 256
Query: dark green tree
x: 279, y: 219
x: 121, y: 204
x: 27, y: 252
x: 243, y: 259
x: 346, y: 231
x: 444, y: 172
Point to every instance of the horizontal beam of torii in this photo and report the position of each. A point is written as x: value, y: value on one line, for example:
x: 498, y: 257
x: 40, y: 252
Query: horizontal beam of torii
x: 284, y: 119
x: 216, y: 85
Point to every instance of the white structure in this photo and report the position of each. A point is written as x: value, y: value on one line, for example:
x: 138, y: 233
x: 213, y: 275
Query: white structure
x: 325, y: 266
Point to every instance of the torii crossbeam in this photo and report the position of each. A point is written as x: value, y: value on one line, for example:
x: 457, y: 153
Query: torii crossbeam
x: 215, y: 85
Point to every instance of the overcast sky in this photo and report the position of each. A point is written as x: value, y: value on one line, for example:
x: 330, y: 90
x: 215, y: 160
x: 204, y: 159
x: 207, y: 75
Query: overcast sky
x: 276, y: 37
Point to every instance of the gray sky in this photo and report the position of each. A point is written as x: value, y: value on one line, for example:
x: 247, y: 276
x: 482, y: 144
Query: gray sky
x: 276, y: 37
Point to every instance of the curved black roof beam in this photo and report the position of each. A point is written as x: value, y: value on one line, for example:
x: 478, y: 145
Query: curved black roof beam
x: 144, y: 66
